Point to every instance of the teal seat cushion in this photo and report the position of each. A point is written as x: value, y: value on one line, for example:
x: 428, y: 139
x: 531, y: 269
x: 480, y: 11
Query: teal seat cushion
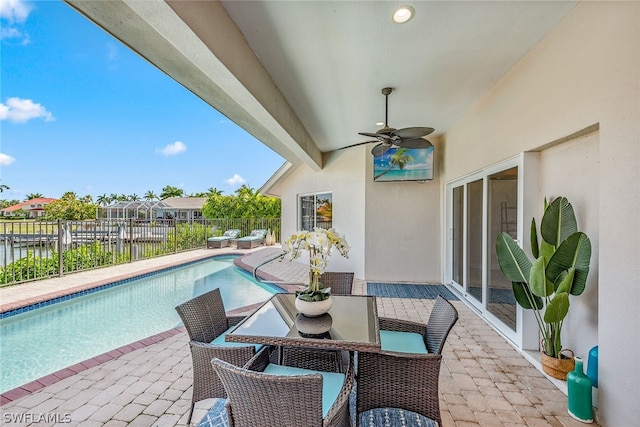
x: 228, y: 235
x: 402, y: 342
x: 250, y: 238
x: 255, y: 235
x: 331, y: 382
x: 221, y: 341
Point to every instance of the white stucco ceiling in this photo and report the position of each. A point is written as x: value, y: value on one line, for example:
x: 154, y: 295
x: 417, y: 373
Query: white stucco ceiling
x: 305, y: 77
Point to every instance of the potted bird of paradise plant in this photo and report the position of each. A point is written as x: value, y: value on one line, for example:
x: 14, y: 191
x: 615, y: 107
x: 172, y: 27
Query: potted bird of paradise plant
x: 560, y: 269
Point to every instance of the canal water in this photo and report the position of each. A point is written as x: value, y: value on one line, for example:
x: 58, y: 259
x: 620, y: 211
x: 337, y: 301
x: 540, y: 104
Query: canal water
x: 15, y: 253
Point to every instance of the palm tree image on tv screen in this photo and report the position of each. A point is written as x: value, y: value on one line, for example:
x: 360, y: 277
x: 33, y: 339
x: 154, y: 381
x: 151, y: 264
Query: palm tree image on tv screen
x: 403, y: 164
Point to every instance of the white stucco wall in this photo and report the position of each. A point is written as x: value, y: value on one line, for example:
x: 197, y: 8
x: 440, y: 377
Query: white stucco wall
x: 392, y: 227
x: 403, y: 223
x: 342, y: 176
x: 571, y: 170
x: 585, y: 72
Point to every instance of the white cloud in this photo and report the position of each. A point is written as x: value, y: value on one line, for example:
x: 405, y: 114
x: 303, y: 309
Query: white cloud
x: 10, y: 33
x: 235, y: 180
x: 6, y: 160
x: 14, y: 33
x: 173, y: 149
x: 20, y: 110
x: 14, y: 10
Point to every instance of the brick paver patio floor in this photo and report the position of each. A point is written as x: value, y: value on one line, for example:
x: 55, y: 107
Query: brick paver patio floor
x: 484, y: 381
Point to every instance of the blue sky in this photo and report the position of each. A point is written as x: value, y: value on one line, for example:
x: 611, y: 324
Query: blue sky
x: 81, y: 112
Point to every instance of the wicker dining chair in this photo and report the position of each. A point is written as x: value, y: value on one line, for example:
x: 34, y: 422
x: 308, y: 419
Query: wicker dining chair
x: 256, y: 398
x: 205, y: 319
x: 339, y: 282
x: 406, y: 381
x: 434, y: 334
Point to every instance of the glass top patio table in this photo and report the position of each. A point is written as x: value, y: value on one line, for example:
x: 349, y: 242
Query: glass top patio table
x: 351, y: 324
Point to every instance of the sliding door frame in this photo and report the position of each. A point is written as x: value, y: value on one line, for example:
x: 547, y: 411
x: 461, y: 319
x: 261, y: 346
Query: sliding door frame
x: 525, y: 335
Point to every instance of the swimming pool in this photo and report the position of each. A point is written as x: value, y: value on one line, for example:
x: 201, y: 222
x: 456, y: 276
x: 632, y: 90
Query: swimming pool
x: 38, y: 342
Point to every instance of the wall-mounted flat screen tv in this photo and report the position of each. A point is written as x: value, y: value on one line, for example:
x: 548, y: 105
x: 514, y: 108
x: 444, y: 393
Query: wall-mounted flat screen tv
x: 417, y: 165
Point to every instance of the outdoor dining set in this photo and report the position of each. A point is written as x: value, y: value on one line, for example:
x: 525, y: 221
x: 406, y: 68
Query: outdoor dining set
x: 346, y: 367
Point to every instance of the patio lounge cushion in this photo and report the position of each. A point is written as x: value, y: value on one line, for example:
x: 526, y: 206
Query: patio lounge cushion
x: 331, y: 382
x: 394, y: 417
x: 255, y: 235
x: 220, y: 340
x: 402, y: 342
x: 229, y: 234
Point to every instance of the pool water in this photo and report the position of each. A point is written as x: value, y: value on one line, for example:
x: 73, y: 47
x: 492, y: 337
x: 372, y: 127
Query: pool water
x: 41, y: 341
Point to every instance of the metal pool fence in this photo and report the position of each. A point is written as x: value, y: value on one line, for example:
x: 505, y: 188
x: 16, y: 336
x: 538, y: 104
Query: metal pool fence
x: 34, y: 250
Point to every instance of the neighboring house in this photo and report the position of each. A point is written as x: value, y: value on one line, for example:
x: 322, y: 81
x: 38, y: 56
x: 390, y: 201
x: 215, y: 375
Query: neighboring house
x: 142, y: 209
x: 188, y: 208
x: 560, y: 119
x: 33, y: 208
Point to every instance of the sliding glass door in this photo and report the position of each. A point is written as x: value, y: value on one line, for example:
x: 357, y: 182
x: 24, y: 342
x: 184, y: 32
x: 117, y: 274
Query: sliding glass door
x: 478, y: 208
x: 466, y: 238
x: 503, y: 214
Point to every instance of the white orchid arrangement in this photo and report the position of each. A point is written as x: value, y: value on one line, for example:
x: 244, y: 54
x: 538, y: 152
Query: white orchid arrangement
x: 319, y: 243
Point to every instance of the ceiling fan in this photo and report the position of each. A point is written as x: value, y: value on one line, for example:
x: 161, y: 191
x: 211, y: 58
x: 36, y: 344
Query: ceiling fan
x: 389, y: 137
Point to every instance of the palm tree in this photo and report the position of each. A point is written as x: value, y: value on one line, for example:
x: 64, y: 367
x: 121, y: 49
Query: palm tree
x: 3, y: 187
x: 399, y: 158
x: 246, y: 192
x: 150, y: 195
x: 103, y: 200
x: 170, y: 191
x: 133, y: 197
x: 213, y: 191
x: 31, y: 196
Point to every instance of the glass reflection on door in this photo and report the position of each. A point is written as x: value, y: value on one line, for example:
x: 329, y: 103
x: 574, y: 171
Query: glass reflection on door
x: 502, y: 210
x: 474, y: 240
x: 457, y: 236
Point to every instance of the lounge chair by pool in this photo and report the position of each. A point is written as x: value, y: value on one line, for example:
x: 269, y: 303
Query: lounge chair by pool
x: 256, y: 238
x: 224, y: 240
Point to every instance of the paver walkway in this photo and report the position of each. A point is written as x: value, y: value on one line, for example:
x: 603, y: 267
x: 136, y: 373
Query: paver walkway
x: 484, y: 381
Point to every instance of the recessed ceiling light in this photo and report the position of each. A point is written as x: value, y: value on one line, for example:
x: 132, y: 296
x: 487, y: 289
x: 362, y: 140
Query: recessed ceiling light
x: 379, y: 123
x: 403, y: 14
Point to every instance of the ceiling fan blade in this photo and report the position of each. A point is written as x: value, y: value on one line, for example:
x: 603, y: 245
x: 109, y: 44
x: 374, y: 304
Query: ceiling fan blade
x: 414, y: 143
x: 411, y: 133
x: 355, y: 145
x: 380, y: 149
x: 378, y: 136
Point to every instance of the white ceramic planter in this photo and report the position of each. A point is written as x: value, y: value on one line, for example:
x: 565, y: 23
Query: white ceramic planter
x: 314, y: 308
